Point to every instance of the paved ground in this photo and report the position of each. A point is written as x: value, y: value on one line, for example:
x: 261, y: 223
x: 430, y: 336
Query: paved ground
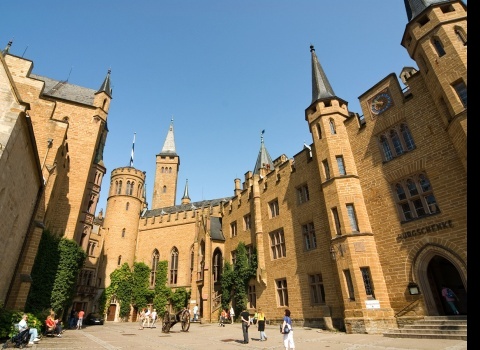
x: 114, y: 336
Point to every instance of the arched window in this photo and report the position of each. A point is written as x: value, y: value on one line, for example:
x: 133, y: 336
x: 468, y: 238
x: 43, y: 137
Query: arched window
x: 407, y: 137
x: 129, y: 188
x: 123, y: 233
x: 333, y: 130
x: 387, y: 152
x: 396, y: 141
x: 164, y: 189
x: 438, y: 47
x: 174, y: 266
x: 397, y: 145
x: 217, y: 265
x: 170, y: 170
x: 119, y: 187
x: 461, y: 35
x: 153, y: 269
x: 192, y: 262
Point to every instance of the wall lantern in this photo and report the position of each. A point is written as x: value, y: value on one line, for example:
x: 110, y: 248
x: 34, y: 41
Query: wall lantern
x: 332, y: 253
x: 413, y: 288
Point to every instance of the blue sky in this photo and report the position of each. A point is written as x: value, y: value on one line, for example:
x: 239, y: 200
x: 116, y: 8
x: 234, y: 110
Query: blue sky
x: 224, y: 70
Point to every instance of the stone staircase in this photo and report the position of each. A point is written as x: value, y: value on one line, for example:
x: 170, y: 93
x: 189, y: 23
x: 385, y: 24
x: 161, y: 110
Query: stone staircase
x: 433, y: 327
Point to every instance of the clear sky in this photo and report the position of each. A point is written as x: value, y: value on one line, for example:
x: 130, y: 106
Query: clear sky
x: 224, y: 70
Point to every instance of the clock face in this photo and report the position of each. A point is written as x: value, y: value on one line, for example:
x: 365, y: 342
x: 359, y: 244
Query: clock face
x: 381, y: 103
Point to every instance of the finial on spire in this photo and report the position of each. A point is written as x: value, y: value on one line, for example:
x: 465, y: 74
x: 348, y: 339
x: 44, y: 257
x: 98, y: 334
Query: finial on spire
x: 312, y: 48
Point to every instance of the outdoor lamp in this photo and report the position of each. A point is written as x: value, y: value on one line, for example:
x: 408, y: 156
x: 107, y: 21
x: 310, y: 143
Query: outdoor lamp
x: 413, y: 288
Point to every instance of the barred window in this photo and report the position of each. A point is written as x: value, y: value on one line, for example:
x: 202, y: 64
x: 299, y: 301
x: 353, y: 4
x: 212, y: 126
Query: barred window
x: 277, y: 244
x: 282, y: 292
x: 367, y: 282
x: 309, y: 237
x: 317, y: 292
x: 415, y: 198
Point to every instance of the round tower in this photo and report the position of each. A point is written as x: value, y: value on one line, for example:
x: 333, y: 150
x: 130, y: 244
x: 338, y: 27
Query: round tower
x: 126, y: 199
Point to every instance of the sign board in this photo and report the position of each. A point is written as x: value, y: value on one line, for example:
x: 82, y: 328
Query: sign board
x: 372, y: 304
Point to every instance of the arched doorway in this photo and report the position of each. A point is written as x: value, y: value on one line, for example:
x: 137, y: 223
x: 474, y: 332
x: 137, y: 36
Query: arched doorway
x: 442, y: 272
x: 436, y: 266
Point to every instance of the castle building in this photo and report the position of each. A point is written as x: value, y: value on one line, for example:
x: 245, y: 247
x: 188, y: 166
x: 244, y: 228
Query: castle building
x: 357, y: 231
x: 51, y: 156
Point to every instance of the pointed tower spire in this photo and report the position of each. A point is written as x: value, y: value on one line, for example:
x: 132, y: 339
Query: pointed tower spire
x: 264, y: 161
x: 321, y: 88
x: 106, y: 85
x: 185, y: 198
x: 415, y: 7
x: 7, y: 48
x: 169, y: 145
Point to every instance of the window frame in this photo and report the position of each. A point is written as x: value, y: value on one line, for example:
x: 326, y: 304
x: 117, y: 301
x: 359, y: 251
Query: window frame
x: 317, y: 290
x: 281, y: 288
x: 278, y: 248
x: 309, y: 236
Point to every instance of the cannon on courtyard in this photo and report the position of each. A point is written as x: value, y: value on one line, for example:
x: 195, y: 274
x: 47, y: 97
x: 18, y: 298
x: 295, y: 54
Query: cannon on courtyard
x: 169, y: 320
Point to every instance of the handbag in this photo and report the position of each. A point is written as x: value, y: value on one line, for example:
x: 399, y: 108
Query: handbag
x: 285, y: 329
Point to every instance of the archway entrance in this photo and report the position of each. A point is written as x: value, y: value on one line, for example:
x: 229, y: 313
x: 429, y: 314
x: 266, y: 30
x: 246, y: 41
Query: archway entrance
x: 435, y: 266
x: 441, y: 272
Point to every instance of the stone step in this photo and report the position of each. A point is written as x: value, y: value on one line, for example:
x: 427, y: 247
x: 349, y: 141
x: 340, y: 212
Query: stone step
x: 426, y: 336
x: 433, y: 327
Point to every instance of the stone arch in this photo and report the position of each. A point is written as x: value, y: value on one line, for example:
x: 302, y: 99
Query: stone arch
x: 425, y: 263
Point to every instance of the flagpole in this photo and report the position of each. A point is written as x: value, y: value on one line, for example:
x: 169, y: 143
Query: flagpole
x: 133, y: 149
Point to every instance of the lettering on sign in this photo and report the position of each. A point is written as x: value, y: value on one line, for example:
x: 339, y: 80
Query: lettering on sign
x: 427, y: 229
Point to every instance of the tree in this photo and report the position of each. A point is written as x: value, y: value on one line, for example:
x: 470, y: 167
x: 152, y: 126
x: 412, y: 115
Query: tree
x: 235, y: 281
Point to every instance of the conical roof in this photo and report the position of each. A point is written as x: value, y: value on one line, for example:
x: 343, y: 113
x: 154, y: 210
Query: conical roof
x: 105, y: 87
x: 169, y: 145
x: 263, y: 160
x: 321, y: 87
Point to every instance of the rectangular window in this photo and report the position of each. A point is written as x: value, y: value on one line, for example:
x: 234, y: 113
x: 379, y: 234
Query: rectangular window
x: 309, y: 237
x: 233, y: 229
x: 282, y: 292
x: 352, y: 217
x: 246, y: 222
x: 326, y: 168
x: 274, y: 209
x: 461, y: 90
x: 277, y: 244
x: 317, y: 292
x: 336, y: 219
x: 341, y: 165
x: 252, y: 297
x: 367, y: 282
x: 302, y: 194
x: 348, y: 281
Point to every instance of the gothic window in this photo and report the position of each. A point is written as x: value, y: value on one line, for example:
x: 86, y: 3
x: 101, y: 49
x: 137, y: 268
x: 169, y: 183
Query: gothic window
x: 153, y: 269
x: 217, y: 265
x: 118, y: 187
x: 174, y: 266
x: 164, y: 190
x: 274, y: 208
x: 461, y: 35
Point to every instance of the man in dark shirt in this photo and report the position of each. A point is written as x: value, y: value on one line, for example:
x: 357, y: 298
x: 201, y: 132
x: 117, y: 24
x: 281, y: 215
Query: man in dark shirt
x: 245, y: 317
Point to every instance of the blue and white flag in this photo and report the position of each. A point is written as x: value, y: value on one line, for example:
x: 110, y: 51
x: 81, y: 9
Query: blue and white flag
x: 133, y: 149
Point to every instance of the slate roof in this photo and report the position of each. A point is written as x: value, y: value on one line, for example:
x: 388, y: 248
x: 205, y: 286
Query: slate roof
x: 185, y: 207
x: 415, y: 7
x: 66, y: 91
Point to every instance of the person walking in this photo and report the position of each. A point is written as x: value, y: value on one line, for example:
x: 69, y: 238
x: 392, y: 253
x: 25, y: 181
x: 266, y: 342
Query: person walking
x: 142, y: 318
x: 245, y: 318
x: 261, y: 319
x: 287, y: 336
x: 81, y: 313
x: 147, y: 318
x: 154, y: 318
x: 73, y: 318
x: 450, y: 297
x: 232, y: 314
x: 195, y: 313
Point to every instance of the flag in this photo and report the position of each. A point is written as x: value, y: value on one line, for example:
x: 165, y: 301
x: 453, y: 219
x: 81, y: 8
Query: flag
x: 133, y: 148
